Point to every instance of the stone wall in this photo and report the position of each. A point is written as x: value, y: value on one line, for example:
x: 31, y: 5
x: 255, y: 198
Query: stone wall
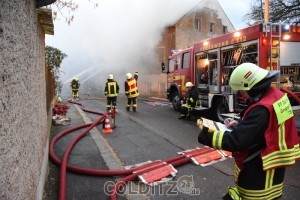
x: 23, y: 115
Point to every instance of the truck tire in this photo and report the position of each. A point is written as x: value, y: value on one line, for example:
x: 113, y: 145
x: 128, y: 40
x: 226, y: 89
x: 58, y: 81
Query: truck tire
x: 219, y: 107
x: 176, y: 101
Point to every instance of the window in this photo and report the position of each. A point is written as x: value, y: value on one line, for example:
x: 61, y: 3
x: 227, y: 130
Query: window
x: 197, y: 24
x: 212, y: 27
x: 225, y: 29
x: 178, y: 63
x: 186, y: 60
x: 171, y: 65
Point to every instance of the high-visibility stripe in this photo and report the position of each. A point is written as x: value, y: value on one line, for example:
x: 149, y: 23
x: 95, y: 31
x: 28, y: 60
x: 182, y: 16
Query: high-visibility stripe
x: 217, y: 139
x: 236, y: 172
x: 281, y: 137
x: 283, y: 157
x: 280, y: 162
x: 112, y: 89
x: 133, y: 90
x: 269, y: 178
x: 270, y: 193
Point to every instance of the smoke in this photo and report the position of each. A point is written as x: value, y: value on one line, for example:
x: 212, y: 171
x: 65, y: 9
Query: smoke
x: 117, y: 37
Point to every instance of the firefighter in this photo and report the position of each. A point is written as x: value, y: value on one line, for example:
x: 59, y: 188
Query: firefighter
x: 131, y: 91
x: 75, y: 88
x: 264, y: 141
x: 189, y: 102
x: 111, y: 92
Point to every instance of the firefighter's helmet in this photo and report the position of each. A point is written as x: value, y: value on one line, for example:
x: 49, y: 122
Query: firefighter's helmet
x: 246, y: 76
x: 128, y: 75
x: 110, y: 77
x: 76, y: 79
x: 189, y: 84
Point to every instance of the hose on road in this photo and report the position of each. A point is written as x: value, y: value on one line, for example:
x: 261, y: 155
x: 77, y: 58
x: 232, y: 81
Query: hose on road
x: 130, y: 176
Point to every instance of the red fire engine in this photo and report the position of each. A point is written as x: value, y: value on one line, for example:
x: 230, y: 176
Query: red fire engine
x: 209, y: 64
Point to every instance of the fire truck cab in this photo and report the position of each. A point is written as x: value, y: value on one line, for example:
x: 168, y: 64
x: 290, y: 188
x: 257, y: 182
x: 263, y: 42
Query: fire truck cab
x: 209, y: 63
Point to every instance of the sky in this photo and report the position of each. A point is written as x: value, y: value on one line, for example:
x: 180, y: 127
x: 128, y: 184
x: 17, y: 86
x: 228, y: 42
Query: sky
x: 119, y: 35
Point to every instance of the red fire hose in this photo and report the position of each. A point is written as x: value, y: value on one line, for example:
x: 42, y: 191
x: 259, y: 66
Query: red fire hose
x: 292, y: 94
x: 178, y: 160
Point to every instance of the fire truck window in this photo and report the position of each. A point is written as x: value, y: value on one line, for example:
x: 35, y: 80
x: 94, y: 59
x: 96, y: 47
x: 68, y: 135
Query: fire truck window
x: 213, y: 70
x: 186, y: 60
x: 171, y: 65
x: 178, y: 63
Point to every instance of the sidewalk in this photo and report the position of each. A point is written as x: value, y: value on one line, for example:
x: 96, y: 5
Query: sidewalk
x: 85, y: 154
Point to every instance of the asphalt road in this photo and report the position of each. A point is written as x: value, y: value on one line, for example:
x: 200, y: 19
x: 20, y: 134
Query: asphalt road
x: 155, y: 133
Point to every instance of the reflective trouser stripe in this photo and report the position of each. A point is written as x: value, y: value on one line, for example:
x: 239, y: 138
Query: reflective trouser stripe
x: 270, y: 193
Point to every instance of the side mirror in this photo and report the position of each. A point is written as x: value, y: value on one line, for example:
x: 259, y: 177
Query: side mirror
x: 163, y: 66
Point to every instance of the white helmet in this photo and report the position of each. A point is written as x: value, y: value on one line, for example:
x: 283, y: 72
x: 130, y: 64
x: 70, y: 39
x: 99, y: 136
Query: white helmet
x: 76, y: 79
x: 246, y: 75
x: 110, y: 76
x: 189, y: 84
x: 128, y: 75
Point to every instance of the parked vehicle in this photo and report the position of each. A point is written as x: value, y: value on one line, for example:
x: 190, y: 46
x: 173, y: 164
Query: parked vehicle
x: 209, y: 63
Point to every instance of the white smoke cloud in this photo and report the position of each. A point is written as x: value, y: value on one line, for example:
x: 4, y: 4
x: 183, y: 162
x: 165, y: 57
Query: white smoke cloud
x: 117, y: 37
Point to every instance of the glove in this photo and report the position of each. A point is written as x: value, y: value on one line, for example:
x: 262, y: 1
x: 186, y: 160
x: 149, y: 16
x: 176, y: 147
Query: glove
x: 202, y: 128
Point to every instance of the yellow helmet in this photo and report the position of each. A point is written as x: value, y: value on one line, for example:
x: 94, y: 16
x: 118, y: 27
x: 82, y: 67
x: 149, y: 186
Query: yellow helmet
x: 128, y: 75
x: 246, y: 75
x: 189, y: 84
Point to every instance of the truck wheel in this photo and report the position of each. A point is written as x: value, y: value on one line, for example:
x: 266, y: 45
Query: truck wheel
x: 219, y: 107
x: 176, y: 101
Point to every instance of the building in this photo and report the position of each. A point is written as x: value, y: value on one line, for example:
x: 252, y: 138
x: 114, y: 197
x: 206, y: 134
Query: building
x: 206, y: 20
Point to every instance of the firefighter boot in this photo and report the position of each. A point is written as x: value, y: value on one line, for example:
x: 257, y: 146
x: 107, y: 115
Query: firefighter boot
x: 134, y: 109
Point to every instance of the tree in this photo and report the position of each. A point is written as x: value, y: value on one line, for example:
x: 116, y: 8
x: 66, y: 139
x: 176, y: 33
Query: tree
x: 286, y: 11
x: 54, y: 58
x: 66, y: 8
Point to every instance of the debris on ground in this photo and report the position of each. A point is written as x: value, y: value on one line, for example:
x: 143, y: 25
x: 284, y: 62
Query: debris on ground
x: 59, y: 115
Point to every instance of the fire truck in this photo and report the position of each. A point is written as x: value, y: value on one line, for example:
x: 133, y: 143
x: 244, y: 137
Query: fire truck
x: 209, y: 63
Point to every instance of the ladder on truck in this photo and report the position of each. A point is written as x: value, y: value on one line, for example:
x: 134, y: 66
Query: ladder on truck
x: 273, y: 30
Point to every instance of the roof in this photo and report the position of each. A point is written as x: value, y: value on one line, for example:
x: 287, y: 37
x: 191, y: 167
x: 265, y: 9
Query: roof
x: 45, y: 17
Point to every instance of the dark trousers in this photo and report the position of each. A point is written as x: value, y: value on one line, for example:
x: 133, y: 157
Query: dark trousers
x: 132, y: 100
x: 111, y: 102
x: 75, y: 93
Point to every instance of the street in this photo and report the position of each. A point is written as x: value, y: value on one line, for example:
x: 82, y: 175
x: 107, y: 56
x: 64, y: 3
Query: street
x: 154, y: 132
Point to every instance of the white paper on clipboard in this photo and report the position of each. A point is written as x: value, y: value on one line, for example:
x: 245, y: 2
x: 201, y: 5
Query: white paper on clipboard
x: 214, y: 125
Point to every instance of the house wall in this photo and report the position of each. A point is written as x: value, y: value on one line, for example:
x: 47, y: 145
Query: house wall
x: 187, y: 35
x: 23, y: 116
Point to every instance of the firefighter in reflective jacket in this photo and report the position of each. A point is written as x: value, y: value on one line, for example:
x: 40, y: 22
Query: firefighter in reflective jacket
x: 75, y: 88
x: 189, y: 102
x: 131, y: 91
x: 264, y: 141
x: 111, y: 92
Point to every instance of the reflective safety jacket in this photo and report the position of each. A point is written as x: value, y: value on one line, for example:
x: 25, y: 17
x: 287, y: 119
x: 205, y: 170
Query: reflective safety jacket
x: 74, y: 84
x: 131, y: 89
x: 263, y: 143
x: 282, y: 143
x: 111, y: 88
